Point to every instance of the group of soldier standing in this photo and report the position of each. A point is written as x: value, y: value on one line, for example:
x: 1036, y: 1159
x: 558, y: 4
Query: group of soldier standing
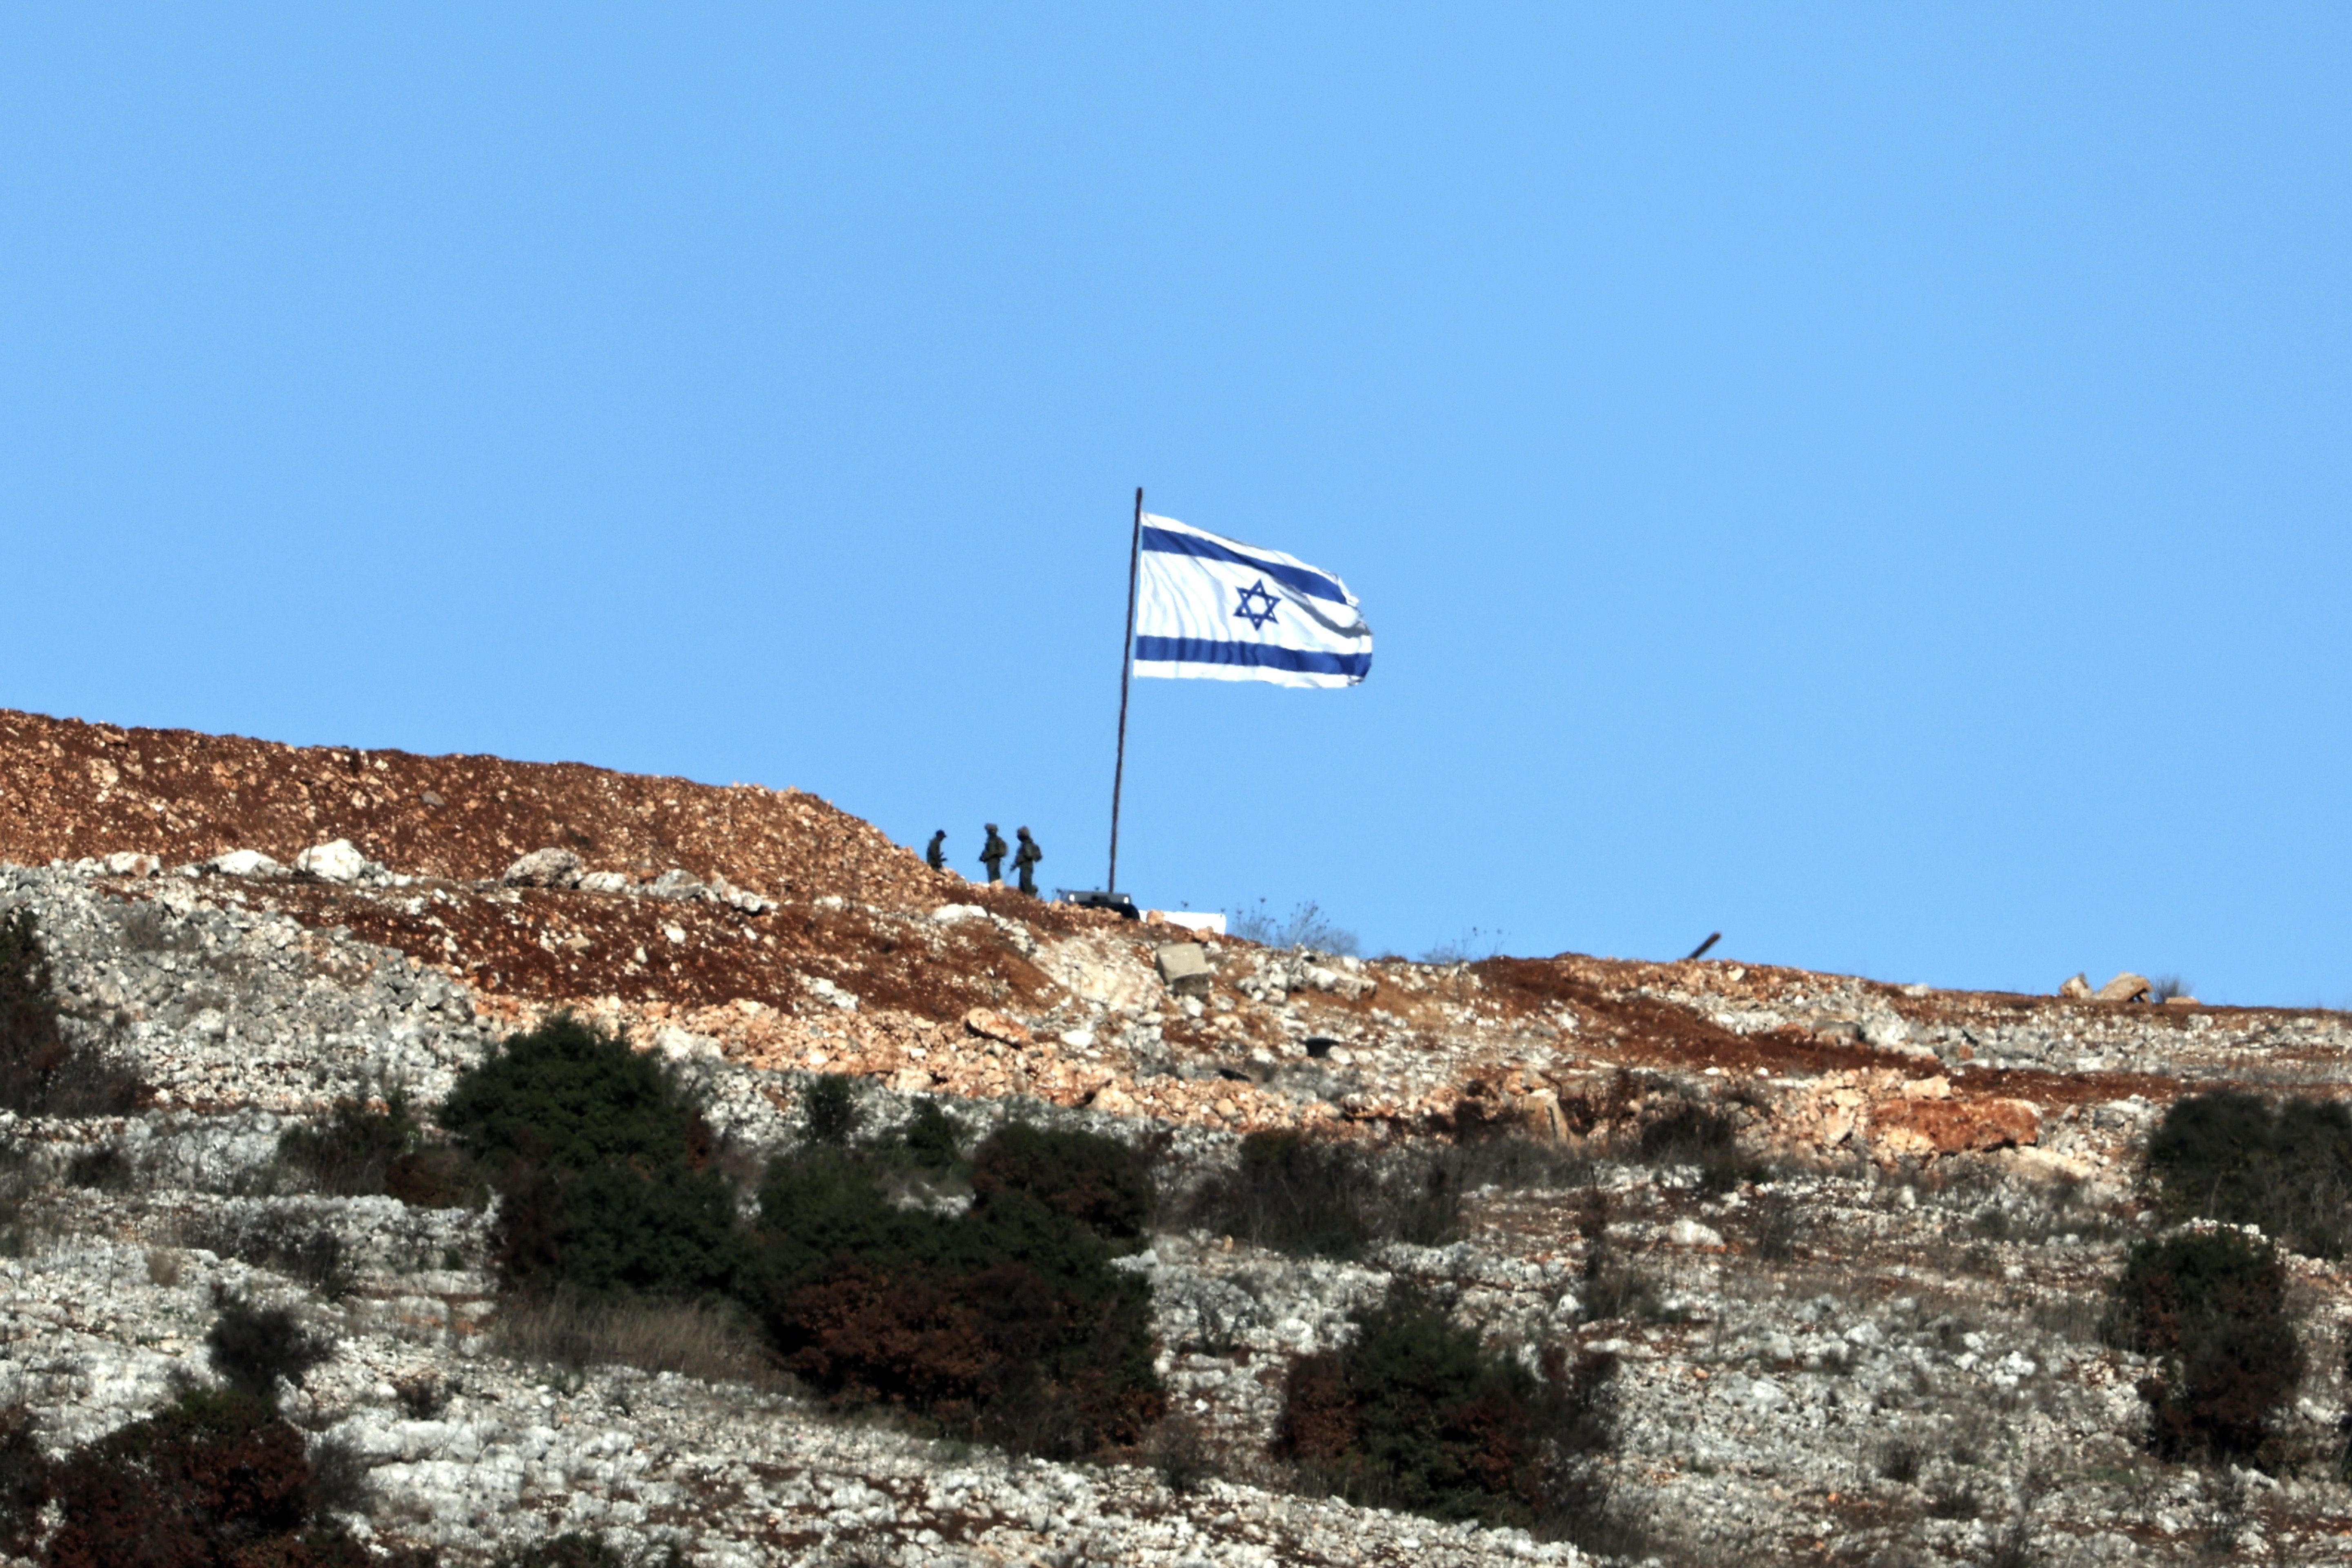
x: 992, y: 855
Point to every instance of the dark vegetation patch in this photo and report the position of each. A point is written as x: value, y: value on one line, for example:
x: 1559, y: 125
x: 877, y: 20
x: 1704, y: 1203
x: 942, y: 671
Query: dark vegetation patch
x: 285, y: 1240
x: 45, y: 1069
x: 363, y: 1151
x: 1336, y: 1198
x: 829, y: 1110
x: 1687, y: 1132
x: 2234, y: 1157
x: 1414, y: 1413
x: 102, y: 1168
x: 215, y: 1478
x: 577, y: 1549
x: 1097, y: 1182
x: 1006, y: 1322
x: 620, y: 1236
x: 2209, y: 1308
x: 253, y: 1347
x: 605, y: 1168
x: 24, y: 1482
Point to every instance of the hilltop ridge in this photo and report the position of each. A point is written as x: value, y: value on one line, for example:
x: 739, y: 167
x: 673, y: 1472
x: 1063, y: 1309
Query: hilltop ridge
x: 1806, y: 1225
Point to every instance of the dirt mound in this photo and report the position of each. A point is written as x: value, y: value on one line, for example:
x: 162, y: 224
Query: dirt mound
x: 68, y: 789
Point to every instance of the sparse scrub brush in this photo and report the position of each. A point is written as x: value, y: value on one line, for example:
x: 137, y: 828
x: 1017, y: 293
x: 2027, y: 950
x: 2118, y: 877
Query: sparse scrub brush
x: 1330, y: 1197
x: 362, y: 1151
x: 1306, y: 926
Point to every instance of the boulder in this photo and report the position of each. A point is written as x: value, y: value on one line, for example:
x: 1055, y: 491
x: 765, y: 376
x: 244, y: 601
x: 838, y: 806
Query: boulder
x: 2078, y: 986
x: 675, y: 883
x: 333, y: 862
x: 245, y: 863
x: 825, y: 990
x: 1690, y: 1233
x: 2124, y: 987
x: 1112, y: 1101
x: 1887, y: 1031
x: 736, y: 898
x: 1184, y: 965
x: 129, y: 863
x: 956, y: 914
x: 544, y: 868
x: 996, y: 1027
x: 1540, y: 1110
x: 604, y: 882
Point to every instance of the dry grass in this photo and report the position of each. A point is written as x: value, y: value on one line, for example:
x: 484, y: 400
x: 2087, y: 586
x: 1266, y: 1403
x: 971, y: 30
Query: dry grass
x: 708, y: 1341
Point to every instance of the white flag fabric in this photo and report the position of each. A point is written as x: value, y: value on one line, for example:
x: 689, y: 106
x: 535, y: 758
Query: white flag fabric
x: 1217, y: 609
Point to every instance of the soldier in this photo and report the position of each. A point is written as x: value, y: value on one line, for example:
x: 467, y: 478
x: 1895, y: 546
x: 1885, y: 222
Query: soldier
x: 1025, y: 861
x: 992, y: 855
x: 936, y: 857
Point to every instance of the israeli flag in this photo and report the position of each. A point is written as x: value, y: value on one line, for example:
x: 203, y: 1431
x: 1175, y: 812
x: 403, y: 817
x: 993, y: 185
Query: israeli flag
x: 1217, y: 609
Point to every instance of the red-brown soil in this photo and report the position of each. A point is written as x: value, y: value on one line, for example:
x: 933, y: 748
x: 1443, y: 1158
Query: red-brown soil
x: 68, y: 789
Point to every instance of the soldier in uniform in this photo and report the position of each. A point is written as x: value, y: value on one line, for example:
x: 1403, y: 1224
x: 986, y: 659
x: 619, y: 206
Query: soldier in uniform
x: 936, y: 857
x: 1025, y: 860
x: 992, y: 855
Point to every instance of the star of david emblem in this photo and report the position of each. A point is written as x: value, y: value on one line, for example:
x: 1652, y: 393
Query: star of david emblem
x: 1267, y: 603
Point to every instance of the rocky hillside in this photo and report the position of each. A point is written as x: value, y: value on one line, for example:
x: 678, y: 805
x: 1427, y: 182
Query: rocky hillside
x: 1830, y: 1265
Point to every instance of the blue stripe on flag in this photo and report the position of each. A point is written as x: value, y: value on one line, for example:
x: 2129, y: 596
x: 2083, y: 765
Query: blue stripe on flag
x: 1200, y: 650
x: 1297, y: 577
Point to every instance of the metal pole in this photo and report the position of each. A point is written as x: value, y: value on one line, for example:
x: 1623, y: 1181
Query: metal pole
x: 1126, y: 667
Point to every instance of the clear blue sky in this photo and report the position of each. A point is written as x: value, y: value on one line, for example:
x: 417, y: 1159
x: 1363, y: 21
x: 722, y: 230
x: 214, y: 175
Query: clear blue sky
x: 1869, y: 479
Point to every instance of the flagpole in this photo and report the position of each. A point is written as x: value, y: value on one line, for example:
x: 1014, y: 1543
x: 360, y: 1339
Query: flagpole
x: 1126, y: 667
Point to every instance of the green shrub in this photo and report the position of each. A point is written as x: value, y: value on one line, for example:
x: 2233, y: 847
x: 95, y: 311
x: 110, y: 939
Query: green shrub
x: 1006, y: 1322
x: 2210, y: 1307
x: 1102, y: 1184
x: 570, y: 1096
x: 214, y: 1478
x: 614, y: 1228
x: 44, y: 1071
x: 2232, y: 1157
x: 602, y: 1163
x: 1414, y: 1413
